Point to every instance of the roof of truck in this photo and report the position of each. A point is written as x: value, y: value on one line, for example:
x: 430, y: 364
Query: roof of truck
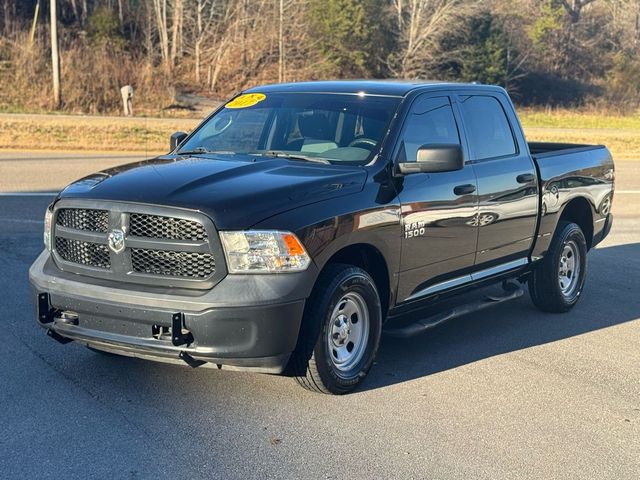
x: 371, y: 87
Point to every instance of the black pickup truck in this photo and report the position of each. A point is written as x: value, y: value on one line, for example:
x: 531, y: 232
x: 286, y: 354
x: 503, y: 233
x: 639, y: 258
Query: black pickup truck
x: 299, y: 222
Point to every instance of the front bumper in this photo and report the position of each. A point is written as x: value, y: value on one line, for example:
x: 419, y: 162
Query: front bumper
x: 246, y: 321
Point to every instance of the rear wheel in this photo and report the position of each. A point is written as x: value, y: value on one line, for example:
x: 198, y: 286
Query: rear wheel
x: 556, y: 284
x: 341, y: 331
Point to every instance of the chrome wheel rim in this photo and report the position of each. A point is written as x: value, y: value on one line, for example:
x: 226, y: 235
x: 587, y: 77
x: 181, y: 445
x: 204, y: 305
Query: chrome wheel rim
x: 569, y: 269
x: 348, y: 334
x: 486, y: 219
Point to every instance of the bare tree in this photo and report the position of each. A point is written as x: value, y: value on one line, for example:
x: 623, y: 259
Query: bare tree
x: 220, y: 41
x: 177, y: 18
x: 160, y: 9
x: 32, y: 33
x: 422, y: 24
x: 74, y: 9
x: 625, y: 23
x: 574, y: 8
x: 207, y: 17
x: 85, y: 12
x: 120, y: 15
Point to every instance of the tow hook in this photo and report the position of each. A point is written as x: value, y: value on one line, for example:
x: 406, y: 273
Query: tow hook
x: 189, y: 360
x: 179, y: 336
x: 46, y: 313
x: 182, y: 336
x: 57, y: 337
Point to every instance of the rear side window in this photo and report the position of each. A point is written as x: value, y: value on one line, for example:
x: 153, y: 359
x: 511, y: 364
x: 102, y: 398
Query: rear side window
x: 429, y: 122
x: 488, y: 129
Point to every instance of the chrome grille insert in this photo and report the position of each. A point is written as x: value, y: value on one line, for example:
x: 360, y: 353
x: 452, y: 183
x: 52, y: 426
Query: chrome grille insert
x: 83, y: 219
x: 175, y: 264
x: 83, y: 253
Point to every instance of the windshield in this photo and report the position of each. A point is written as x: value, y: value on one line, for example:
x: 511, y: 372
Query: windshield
x: 334, y: 127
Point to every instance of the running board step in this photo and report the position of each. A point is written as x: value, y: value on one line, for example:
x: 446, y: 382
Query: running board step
x: 513, y: 291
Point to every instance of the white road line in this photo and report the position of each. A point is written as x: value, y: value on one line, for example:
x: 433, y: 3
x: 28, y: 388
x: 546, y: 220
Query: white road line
x: 22, y: 220
x: 28, y: 194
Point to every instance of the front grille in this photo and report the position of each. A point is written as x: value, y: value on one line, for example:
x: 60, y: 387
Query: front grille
x: 156, y: 226
x: 175, y: 264
x: 83, y: 219
x: 162, y: 246
x: 83, y: 253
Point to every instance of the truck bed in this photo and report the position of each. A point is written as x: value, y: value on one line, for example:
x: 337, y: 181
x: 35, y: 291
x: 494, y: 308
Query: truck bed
x: 546, y: 149
x: 570, y: 171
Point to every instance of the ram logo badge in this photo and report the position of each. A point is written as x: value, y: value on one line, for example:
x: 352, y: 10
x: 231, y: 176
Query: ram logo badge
x: 115, y: 241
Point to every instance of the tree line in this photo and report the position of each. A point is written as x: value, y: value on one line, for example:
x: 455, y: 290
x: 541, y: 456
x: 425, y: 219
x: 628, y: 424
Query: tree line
x: 545, y: 52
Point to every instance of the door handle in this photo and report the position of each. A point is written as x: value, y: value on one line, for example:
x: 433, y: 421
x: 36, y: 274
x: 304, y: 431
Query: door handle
x: 464, y: 189
x: 525, y: 178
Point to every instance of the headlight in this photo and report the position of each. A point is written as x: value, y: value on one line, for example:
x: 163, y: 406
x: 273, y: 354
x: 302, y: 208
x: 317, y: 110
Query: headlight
x: 263, y: 251
x: 48, y: 215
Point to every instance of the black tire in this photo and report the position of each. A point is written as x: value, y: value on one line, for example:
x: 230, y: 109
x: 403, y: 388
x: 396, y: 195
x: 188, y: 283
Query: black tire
x: 545, y: 285
x: 314, y: 361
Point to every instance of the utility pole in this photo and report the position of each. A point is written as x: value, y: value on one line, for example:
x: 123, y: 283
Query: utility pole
x: 55, y: 56
x: 281, y: 44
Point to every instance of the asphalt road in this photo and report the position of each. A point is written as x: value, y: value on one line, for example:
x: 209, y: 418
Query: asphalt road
x: 51, y: 171
x: 506, y: 393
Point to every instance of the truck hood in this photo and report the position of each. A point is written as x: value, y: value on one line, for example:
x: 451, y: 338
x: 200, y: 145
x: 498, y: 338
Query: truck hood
x: 236, y: 192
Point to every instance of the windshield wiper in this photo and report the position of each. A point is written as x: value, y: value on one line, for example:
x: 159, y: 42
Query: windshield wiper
x: 195, y: 151
x: 288, y: 156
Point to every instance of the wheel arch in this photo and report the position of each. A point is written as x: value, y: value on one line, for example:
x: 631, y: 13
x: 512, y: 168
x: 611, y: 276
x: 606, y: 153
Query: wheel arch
x: 371, y: 260
x: 580, y: 211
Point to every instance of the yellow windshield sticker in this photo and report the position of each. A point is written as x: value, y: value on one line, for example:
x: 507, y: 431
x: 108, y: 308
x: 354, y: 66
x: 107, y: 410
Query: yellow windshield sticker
x: 246, y: 100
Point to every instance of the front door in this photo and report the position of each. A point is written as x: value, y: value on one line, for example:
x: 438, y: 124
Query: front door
x: 438, y: 209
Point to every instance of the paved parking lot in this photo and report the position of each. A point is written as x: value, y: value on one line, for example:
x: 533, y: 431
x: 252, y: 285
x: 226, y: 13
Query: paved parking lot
x: 506, y: 393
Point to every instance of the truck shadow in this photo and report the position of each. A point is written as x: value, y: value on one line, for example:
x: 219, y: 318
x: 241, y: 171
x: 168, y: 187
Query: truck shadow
x: 610, y: 298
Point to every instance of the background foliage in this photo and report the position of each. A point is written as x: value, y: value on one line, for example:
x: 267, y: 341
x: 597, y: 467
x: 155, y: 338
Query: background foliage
x: 545, y: 52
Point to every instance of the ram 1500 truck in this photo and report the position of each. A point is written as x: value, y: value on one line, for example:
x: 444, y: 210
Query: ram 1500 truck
x: 299, y: 221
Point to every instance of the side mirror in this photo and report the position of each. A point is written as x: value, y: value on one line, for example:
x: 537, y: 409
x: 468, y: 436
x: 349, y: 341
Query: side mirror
x: 435, y: 158
x: 176, y: 139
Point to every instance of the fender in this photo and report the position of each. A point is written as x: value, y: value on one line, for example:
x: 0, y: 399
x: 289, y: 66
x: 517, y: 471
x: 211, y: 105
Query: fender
x: 354, y: 222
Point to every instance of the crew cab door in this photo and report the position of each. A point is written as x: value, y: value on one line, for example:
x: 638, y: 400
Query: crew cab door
x: 507, y: 180
x: 438, y: 209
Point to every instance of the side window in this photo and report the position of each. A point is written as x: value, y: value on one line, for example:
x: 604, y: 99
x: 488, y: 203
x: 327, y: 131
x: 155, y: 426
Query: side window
x: 430, y: 121
x: 487, y: 127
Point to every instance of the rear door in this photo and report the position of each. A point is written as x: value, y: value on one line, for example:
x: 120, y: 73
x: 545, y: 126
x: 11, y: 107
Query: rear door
x: 507, y: 180
x: 438, y: 209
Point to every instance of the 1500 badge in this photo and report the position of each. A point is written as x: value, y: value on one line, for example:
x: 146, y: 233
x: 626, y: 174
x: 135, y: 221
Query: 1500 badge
x: 415, y: 229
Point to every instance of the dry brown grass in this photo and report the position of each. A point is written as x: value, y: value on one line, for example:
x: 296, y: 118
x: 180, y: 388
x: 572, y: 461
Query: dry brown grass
x: 624, y: 144
x: 65, y: 132
x: 582, y: 118
x: 151, y: 135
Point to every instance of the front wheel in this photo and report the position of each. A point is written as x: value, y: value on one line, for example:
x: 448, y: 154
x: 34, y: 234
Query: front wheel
x: 340, y: 333
x: 556, y: 284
